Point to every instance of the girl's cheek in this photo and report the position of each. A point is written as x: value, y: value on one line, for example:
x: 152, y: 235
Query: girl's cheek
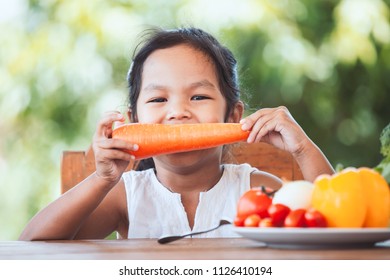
x: 150, y: 116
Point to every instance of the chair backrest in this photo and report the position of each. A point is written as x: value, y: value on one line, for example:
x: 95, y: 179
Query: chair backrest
x: 77, y: 165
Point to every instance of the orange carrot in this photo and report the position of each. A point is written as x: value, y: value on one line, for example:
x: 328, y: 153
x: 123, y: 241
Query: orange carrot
x: 156, y: 139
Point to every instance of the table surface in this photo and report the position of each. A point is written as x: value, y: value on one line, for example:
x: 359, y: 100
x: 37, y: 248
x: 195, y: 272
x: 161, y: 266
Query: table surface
x: 189, y: 248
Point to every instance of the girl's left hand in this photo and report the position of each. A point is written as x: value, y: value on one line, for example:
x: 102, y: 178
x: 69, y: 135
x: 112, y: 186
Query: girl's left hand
x: 277, y: 127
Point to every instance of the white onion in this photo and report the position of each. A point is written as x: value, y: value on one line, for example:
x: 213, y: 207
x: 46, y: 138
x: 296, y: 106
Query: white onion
x: 294, y: 194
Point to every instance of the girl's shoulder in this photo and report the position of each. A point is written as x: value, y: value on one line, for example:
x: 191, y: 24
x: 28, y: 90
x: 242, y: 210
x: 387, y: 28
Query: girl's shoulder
x: 138, y: 174
x: 138, y: 177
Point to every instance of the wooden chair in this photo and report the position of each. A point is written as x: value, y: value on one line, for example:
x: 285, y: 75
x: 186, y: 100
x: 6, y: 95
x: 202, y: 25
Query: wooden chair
x: 77, y: 165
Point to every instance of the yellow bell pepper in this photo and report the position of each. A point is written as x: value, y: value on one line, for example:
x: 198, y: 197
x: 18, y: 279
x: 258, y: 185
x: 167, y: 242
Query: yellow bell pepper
x: 378, y: 198
x: 353, y: 198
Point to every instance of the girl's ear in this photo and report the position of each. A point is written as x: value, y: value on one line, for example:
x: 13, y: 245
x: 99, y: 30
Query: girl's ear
x: 237, y: 112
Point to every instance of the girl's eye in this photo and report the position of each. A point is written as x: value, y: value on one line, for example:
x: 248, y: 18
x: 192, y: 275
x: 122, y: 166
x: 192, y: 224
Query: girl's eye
x: 157, y: 100
x: 199, y: 97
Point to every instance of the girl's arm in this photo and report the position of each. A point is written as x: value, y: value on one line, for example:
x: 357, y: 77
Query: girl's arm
x: 63, y: 218
x: 90, y: 209
x: 277, y: 127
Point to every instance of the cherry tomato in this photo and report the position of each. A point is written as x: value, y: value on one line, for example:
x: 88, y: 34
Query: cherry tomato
x: 266, y: 222
x: 252, y: 221
x: 278, y: 213
x: 296, y: 218
x: 239, y: 221
x: 314, y: 218
x: 254, y: 201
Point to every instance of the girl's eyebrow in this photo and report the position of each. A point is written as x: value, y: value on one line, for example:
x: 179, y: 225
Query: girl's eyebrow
x: 152, y: 87
x: 202, y: 84
x: 199, y: 84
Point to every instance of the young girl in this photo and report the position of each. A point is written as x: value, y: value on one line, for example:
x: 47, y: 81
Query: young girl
x: 178, y: 76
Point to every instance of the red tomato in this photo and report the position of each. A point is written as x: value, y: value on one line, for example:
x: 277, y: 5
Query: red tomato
x: 239, y: 221
x: 278, y: 213
x: 252, y: 221
x: 253, y: 201
x: 266, y: 222
x: 314, y: 218
x: 296, y: 218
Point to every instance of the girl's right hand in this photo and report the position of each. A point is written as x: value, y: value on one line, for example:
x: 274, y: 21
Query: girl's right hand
x: 110, y: 158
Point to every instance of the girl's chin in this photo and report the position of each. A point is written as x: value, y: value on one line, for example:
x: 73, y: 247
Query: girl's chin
x: 183, y: 155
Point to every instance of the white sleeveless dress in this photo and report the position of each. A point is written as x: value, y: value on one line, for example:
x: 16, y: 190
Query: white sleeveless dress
x: 155, y: 212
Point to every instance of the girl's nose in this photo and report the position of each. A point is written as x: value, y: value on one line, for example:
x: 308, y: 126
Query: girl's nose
x: 178, y: 112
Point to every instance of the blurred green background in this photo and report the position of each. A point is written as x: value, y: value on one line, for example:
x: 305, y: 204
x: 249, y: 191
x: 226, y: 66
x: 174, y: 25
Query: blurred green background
x: 64, y: 63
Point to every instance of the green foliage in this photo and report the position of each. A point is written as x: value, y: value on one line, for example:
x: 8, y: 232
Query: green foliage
x: 385, y: 141
x: 64, y: 63
x: 384, y: 166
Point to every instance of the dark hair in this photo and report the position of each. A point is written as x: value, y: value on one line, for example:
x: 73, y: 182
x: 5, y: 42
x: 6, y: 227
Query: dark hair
x: 222, y: 58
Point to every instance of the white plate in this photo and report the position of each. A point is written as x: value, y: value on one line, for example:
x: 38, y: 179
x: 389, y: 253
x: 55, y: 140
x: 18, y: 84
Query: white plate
x: 315, y: 237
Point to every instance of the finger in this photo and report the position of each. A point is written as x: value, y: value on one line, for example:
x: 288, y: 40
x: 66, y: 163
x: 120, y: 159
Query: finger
x: 248, y: 122
x: 117, y: 124
x: 109, y: 155
x: 104, y: 127
x: 268, y: 120
x: 258, y: 131
x: 117, y: 144
x: 107, y: 145
x: 260, y: 127
x: 266, y: 128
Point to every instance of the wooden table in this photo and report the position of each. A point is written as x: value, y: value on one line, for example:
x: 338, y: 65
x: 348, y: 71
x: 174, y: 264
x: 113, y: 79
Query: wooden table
x: 188, y: 249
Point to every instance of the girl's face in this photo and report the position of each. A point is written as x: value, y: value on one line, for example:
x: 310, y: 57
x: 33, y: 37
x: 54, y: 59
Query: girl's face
x: 179, y: 85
